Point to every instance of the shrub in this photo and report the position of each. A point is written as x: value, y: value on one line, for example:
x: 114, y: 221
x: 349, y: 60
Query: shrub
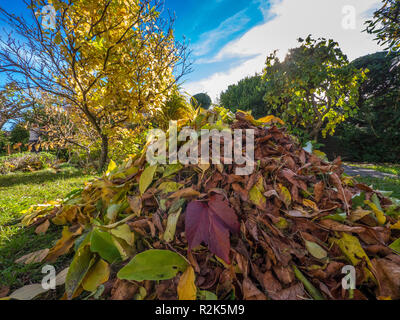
x: 26, y: 162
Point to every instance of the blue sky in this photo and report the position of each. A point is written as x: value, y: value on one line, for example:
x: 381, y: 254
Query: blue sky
x: 230, y: 39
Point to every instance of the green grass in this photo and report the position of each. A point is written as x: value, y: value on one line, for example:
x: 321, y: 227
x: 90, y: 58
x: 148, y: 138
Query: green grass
x: 385, y: 168
x: 18, y: 192
x: 386, y: 184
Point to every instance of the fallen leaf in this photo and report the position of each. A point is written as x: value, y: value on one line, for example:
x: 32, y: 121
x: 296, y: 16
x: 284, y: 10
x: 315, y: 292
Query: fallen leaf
x: 4, y: 290
x: 250, y: 291
x: 34, y: 257
x: 97, y: 275
x: 210, y: 223
x: 388, y: 276
x: 337, y: 226
x: 380, y: 216
x: 153, y: 265
x: 358, y: 214
x: 316, y: 250
x: 146, y: 178
x: 186, y: 288
x: 319, y: 191
x: 63, y: 245
x: 185, y: 193
x: 42, y: 228
x: 352, y: 249
x: 285, y: 195
x: 28, y: 292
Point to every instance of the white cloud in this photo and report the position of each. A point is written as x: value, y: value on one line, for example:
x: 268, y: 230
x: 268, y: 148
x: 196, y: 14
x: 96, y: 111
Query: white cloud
x: 228, y: 27
x: 288, y: 20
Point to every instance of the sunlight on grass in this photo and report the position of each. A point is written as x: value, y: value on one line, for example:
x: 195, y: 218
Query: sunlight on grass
x: 18, y: 192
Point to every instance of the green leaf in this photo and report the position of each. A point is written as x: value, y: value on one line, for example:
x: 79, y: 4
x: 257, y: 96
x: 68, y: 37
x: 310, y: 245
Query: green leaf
x: 153, y: 265
x: 147, y: 178
x: 113, y: 210
x: 102, y: 243
x: 78, y: 269
x: 358, y: 200
x: 395, y: 246
x: 125, y: 233
x: 207, y: 295
x: 173, y: 218
x: 170, y: 186
x: 316, y: 250
x: 172, y: 169
x: 340, y: 217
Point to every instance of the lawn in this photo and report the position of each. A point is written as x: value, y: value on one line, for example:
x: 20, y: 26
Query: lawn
x: 18, y: 192
x: 385, y: 168
x: 386, y: 184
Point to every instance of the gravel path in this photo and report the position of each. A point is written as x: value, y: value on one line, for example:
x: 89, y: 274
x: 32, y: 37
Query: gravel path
x: 363, y: 172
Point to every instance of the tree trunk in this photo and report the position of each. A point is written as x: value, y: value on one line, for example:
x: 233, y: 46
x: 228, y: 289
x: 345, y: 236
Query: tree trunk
x: 104, y: 153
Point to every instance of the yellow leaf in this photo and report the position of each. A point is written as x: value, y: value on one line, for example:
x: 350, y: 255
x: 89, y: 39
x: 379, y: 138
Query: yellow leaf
x: 63, y: 245
x: 310, y: 204
x: 396, y: 226
x: 352, y: 249
x: 271, y: 119
x: 111, y: 166
x: 285, y: 195
x: 186, y: 288
x: 380, y: 216
x: 358, y: 214
x: 124, y: 232
x: 97, y: 275
x: 147, y: 178
x: 257, y: 198
x: 170, y: 186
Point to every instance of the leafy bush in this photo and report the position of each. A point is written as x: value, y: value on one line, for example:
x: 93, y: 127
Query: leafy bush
x: 373, y: 134
x: 19, y: 134
x: 26, y: 162
x: 4, y: 141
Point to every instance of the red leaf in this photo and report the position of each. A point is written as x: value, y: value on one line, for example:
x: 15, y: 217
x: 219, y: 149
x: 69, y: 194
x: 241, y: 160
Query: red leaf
x: 210, y: 223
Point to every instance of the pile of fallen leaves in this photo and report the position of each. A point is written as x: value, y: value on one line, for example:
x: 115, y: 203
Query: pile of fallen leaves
x: 201, y: 232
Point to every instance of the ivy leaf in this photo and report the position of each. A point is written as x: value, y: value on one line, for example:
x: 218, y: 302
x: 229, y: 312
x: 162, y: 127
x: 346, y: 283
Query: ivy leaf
x: 153, y: 265
x: 210, y: 223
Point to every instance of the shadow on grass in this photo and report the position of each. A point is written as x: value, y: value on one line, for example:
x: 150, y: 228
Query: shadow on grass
x: 24, y: 242
x: 38, y: 177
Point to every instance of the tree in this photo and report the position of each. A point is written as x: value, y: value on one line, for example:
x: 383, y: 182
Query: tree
x: 175, y: 108
x: 12, y: 104
x: 386, y: 25
x: 246, y: 95
x: 314, y: 88
x: 373, y: 133
x: 114, y: 61
x: 201, y: 100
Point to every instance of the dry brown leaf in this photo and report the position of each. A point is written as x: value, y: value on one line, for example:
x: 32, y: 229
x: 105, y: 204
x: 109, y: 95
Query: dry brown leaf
x: 250, y: 291
x: 33, y: 257
x: 42, y: 228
